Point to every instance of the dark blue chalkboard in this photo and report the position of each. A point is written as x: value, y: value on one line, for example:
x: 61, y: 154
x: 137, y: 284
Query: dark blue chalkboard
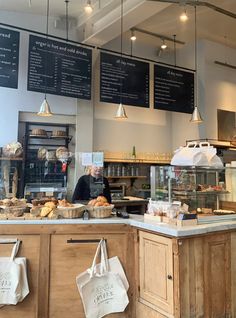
x: 65, y: 69
x: 173, y: 89
x: 124, y: 80
x: 9, y: 57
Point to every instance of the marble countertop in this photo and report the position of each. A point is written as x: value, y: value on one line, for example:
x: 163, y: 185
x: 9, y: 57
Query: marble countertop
x: 139, y: 222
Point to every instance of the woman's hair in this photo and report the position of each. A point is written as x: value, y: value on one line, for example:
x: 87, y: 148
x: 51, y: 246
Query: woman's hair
x: 87, y: 169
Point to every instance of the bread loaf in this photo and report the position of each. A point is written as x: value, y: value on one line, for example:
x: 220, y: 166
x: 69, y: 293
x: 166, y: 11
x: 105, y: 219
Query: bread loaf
x: 38, y: 132
x: 59, y: 133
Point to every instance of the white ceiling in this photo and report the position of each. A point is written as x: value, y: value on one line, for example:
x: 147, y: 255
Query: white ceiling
x: 164, y: 20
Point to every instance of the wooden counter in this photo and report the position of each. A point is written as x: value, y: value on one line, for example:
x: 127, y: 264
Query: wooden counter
x: 178, y: 276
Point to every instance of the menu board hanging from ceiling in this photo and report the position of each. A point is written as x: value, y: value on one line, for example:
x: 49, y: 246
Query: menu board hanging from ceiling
x: 124, y: 80
x: 9, y: 57
x: 63, y: 68
x: 173, y: 89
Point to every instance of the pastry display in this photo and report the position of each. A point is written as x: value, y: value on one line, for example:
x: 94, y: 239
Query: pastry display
x: 42, y: 201
x: 51, y: 155
x: 38, y: 132
x: 62, y: 153
x: 64, y: 203
x: 13, y: 149
x: 42, y: 153
x: 99, y: 201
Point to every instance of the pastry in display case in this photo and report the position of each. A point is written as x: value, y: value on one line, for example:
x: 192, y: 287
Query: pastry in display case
x: 199, y: 188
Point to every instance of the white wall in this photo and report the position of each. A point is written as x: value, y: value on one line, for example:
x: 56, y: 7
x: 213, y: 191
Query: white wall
x: 220, y: 84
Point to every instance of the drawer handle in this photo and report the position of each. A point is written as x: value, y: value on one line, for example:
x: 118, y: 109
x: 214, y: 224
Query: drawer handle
x: 84, y: 241
x: 169, y: 277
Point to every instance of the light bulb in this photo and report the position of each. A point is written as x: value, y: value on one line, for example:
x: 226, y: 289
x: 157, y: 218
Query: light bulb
x: 88, y: 8
x: 163, y: 46
x: 183, y: 17
x: 133, y: 36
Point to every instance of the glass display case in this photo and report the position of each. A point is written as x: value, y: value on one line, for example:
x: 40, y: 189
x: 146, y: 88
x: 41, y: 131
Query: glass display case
x: 42, y: 190
x: 198, y: 187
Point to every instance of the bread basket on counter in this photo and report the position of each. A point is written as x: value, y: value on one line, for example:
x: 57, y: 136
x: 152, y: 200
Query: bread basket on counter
x: 71, y: 212
x: 100, y: 212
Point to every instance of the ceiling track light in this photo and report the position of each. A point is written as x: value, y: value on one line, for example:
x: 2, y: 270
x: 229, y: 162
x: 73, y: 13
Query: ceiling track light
x: 88, y: 7
x: 164, y: 45
x: 159, y: 36
x: 184, y: 17
x: 45, y: 110
x: 133, y: 36
x: 226, y: 64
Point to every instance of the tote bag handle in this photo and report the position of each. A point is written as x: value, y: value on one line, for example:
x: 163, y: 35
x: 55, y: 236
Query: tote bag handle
x: 15, y: 248
x: 93, y: 270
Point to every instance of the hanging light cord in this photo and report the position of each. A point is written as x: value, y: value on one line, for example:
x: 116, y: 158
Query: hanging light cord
x: 67, y: 22
x: 174, y: 36
x: 121, y: 27
x: 46, y: 62
x: 195, y: 55
x: 121, y: 48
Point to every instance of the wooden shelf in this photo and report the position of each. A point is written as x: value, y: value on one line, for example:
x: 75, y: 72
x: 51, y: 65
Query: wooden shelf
x: 11, y: 159
x: 136, y: 161
x: 126, y: 177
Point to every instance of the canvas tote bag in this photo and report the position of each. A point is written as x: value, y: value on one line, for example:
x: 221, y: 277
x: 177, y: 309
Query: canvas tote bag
x: 102, y: 291
x: 13, y: 276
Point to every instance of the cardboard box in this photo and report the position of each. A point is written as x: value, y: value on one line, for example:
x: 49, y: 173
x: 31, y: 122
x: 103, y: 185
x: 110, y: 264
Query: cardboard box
x: 189, y: 222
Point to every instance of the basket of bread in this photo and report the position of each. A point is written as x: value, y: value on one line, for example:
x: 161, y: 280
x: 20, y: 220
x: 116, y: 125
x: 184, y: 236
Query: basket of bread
x: 99, y: 207
x: 70, y: 211
x: 55, y: 209
x: 12, y: 208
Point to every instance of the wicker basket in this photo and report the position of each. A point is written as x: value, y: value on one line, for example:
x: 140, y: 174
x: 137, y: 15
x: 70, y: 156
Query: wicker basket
x: 100, y: 212
x: 71, y: 212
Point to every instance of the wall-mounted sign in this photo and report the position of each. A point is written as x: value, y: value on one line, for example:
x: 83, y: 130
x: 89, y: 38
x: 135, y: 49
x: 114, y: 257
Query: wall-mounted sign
x: 9, y: 57
x: 65, y: 69
x: 124, y: 80
x: 173, y: 89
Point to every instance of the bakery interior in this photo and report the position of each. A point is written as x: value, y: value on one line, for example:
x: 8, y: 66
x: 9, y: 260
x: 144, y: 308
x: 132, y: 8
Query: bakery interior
x: 42, y: 157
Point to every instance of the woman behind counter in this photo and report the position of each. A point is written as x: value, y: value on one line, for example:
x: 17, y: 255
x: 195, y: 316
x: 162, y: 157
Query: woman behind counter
x: 92, y: 185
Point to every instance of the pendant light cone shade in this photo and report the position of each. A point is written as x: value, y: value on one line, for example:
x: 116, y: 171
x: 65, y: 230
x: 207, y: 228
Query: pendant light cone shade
x: 196, y: 117
x: 121, y: 114
x: 45, y: 109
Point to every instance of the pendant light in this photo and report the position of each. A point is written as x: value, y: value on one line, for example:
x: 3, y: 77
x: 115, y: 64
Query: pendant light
x: 196, y: 116
x: 183, y: 17
x: 164, y: 45
x: 45, y: 110
x: 121, y: 114
x: 88, y: 7
x: 133, y: 36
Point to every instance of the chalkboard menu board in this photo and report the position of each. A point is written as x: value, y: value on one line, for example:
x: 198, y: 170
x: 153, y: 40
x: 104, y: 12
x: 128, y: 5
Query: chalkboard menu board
x: 124, y: 80
x: 173, y: 89
x: 65, y: 69
x: 9, y: 57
